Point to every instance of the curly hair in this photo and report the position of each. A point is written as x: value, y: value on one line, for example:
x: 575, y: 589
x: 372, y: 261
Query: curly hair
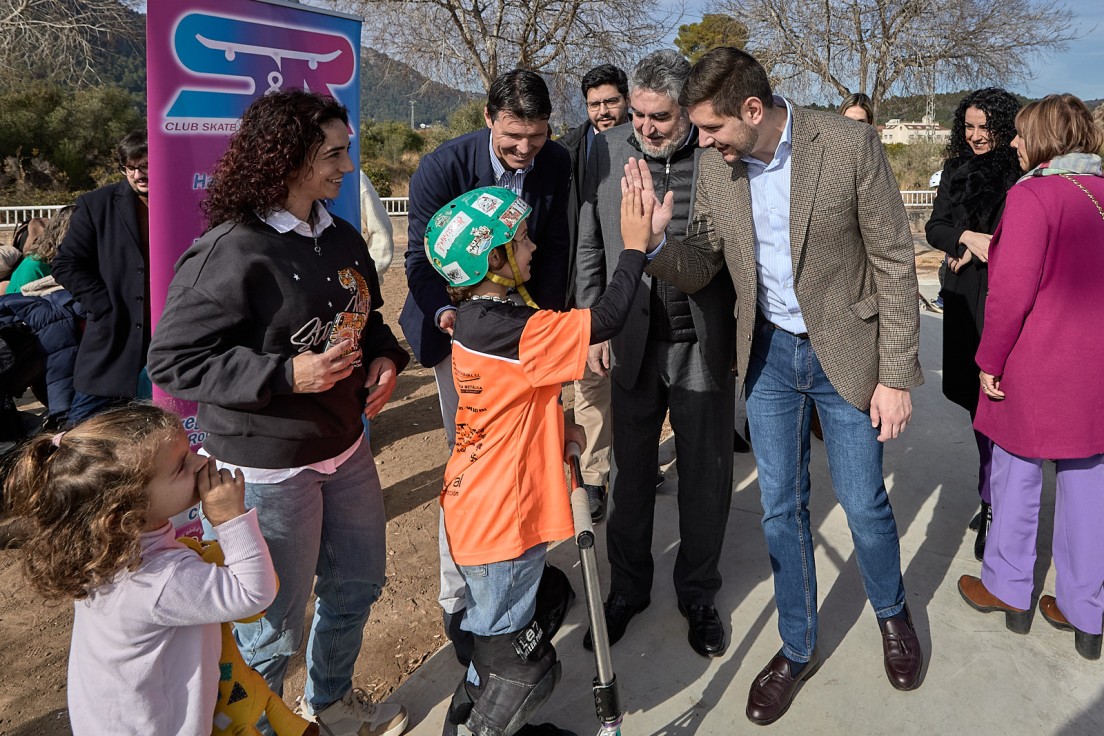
x: 278, y: 136
x: 84, y: 492
x: 1000, y: 109
x: 44, y: 247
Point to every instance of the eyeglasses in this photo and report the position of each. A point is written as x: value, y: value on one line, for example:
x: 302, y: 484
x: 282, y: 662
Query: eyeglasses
x: 141, y: 168
x: 610, y: 102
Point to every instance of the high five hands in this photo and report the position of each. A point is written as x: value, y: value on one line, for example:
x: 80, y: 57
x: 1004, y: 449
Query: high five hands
x: 638, y: 197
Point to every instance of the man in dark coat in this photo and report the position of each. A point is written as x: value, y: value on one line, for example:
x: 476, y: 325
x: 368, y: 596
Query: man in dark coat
x: 606, y: 91
x: 675, y: 353
x: 513, y: 152
x: 104, y: 263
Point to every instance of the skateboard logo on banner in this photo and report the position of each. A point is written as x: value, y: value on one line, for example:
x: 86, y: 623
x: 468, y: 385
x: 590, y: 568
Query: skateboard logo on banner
x: 234, y: 59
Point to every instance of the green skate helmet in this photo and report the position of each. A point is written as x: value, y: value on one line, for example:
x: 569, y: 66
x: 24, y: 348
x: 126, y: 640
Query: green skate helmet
x: 461, y: 235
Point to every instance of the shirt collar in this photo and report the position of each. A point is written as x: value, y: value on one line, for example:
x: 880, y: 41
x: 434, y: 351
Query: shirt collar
x: 283, y: 221
x: 785, y: 143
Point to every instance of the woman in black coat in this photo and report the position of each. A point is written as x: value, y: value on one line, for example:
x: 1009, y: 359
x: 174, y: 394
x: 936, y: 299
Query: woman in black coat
x: 980, y: 168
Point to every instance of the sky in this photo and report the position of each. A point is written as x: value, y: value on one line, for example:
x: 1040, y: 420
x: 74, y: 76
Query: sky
x: 1079, y: 70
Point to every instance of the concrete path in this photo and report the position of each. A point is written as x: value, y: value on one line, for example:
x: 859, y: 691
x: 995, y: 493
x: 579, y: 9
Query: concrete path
x: 979, y: 679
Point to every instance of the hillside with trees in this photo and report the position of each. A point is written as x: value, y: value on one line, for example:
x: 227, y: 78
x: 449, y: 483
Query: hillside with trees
x: 387, y: 87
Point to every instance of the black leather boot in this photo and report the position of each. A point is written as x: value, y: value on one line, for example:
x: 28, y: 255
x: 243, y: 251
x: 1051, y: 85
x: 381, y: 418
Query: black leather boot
x: 984, y: 522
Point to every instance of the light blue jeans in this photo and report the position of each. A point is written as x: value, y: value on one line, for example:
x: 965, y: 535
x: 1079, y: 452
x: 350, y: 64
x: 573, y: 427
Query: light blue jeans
x: 332, y: 526
x: 784, y: 380
x: 502, y: 596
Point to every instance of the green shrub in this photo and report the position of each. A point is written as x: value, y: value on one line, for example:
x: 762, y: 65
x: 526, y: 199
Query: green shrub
x: 467, y: 118
x: 914, y: 163
x: 380, y: 179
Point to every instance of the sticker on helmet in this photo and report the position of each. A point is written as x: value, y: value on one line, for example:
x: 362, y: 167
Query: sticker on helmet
x: 488, y: 204
x: 514, y: 213
x: 454, y: 273
x: 452, y: 231
x: 441, y: 219
x: 481, y: 240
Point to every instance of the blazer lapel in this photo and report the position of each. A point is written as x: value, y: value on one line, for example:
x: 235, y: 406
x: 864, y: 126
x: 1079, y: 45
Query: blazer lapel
x: 742, y: 225
x: 806, y: 154
x: 125, y: 203
x: 484, y: 172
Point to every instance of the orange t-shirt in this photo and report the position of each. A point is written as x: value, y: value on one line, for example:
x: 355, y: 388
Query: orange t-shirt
x: 504, y: 483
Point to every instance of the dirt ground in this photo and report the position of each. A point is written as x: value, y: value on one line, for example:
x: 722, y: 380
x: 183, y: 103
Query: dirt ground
x: 405, y: 626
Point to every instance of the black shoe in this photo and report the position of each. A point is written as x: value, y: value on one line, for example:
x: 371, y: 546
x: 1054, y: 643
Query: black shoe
x: 597, y: 497
x: 739, y: 444
x: 707, y: 634
x: 984, y: 523
x: 618, y: 614
x: 543, y: 729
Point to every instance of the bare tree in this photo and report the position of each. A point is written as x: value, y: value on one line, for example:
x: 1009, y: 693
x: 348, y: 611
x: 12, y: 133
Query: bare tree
x: 837, y: 47
x: 466, y: 42
x: 57, y: 38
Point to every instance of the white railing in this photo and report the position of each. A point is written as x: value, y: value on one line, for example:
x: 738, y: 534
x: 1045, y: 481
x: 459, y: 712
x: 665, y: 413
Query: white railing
x: 919, y: 198
x: 12, y: 216
x: 396, y: 207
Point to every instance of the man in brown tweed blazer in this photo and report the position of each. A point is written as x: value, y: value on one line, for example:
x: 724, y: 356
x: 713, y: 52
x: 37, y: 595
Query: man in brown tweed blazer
x: 803, y: 210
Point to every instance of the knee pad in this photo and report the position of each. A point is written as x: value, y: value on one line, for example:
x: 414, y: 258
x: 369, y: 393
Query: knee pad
x: 517, y: 673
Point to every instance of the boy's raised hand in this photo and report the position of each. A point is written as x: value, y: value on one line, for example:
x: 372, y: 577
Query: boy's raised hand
x: 638, y: 178
x: 221, y: 492
x: 636, y: 219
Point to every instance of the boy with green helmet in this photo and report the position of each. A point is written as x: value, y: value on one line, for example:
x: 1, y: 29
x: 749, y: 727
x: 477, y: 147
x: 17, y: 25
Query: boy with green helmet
x: 461, y: 235
x: 505, y: 497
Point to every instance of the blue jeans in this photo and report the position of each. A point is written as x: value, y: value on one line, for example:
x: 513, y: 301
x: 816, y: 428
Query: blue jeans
x: 502, y: 596
x: 85, y: 406
x: 332, y: 526
x: 784, y: 380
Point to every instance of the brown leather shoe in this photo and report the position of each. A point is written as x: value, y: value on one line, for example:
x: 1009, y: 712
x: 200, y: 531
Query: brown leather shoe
x: 974, y: 592
x: 901, y: 651
x: 774, y: 689
x: 1087, y: 645
x: 1048, y: 606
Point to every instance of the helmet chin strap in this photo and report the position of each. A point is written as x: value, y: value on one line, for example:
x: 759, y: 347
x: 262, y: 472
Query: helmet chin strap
x: 515, y: 282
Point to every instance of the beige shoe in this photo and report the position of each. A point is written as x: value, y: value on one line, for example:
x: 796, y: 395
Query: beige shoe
x: 356, y: 715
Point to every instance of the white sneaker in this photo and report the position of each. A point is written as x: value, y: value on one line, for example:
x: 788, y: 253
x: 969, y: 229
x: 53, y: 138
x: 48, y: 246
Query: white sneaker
x: 356, y: 715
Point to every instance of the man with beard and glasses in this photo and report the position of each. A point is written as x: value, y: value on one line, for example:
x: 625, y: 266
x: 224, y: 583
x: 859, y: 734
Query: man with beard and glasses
x: 827, y: 317
x: 606, y: 91
x: 675, y: 353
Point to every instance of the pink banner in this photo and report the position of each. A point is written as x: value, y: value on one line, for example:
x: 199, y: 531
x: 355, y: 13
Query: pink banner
x: 207, y: 60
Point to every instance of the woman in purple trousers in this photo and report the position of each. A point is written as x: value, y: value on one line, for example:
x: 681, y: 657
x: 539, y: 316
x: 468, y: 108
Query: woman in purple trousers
x: 1041, y: 354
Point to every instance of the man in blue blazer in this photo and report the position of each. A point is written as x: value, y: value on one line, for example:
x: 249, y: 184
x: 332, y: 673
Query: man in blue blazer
x: 104, y: 263
x: 512, y: 152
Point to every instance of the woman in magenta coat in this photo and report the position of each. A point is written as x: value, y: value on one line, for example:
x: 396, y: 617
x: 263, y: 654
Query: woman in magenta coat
x: 1041, y: 354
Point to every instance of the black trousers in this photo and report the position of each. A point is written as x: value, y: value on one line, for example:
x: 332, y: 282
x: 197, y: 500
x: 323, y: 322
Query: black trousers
x: 673, y: 377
